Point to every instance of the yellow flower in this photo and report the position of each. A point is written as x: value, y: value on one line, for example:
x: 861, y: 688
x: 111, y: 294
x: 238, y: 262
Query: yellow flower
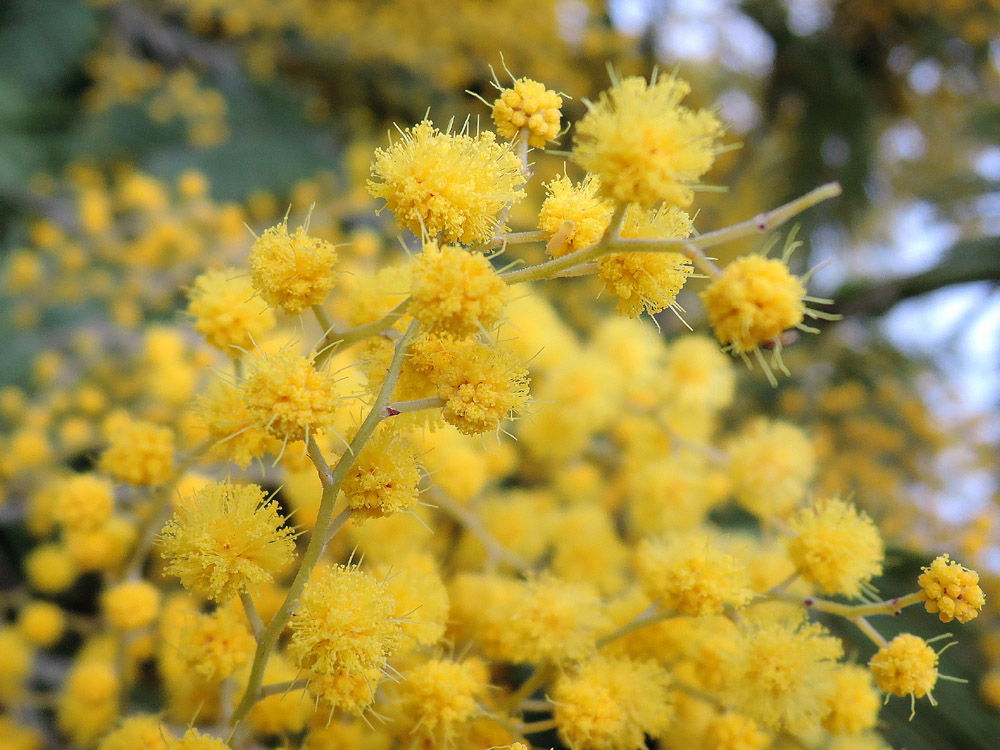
x: 384, y: 477
x: 41, y: 623
x: 227, y: 312
x: 414, y: 581
x: 225, y: 538
x: 770, y: 465
x: 50, y: 568
x: 289, y: 397
x: 691, y: 574
x: 528, y: 105
x: 836, y: 546
x: 455, y: 292
x: 644, y: 145
x: 223, y: 411
x: 83, y: 501
x: 574, y: 216
x: 732, y: 731
x: 446, y: 185
x: 854, y: 703
x: 648, y: 282
x: 214, y: 646
x: 951, y: 590
x: 907, y: 665
x: 88, y: 704
x: 345, y: 622
x: 436, y: 698
x: 137, y: 732
x: 481, y: 387
x: 131, y: 605
x: 352, y: 692
x: 195, y: 740
x: 139, y: 452
x: 292, y: 271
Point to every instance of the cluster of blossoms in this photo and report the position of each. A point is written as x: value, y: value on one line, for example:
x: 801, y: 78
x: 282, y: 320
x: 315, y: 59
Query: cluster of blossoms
x: 317, y: 599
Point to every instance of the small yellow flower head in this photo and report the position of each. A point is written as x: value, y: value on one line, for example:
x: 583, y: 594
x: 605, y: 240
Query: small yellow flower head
x: 455, y: 292
x: 84, y: 501
x: 195, y: 740
x: 770, y: 465
x: 781, y: 673
x: 214, y: 646
x: 88, y: 704
x: 227, y: 312
x: 854, y: 703
x: 648, y: 282
x: 481, y: 386
x: 574, y: 216
x: 282, y: 712
x: 552, y: 620
x: 292, y: 271
x: 528, y: 105
x: 691, y: 574
x: 836, y: 546
x: 289, y: 397
x: 644, y: 145
x: 139, y: 452
x: 102, y: 548
x: 41, y: 623
x: 225, y: 538
x: 951, y: 590
x: 16, y: 658
x: 142, y: 731
x: 732, y: 731
x: 131, y: 605
x: 224, y: 413
x: 345, y: 622
x: 50, y: 569
x: 384, y: 478
x: 753, y: 302
x: 611, y: 703
x: 437, y: 697
x: 447, y: 186
x: 907, y: 665
x: 352, y: 692
x: 421, y: 599
x: 696, y: 374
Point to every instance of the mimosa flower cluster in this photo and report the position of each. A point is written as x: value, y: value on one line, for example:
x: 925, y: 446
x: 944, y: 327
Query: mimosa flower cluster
x: 403, y: 501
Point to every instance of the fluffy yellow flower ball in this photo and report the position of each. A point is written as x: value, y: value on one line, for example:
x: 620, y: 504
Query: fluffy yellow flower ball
x: 292, y: 271
x: 214, y: 646
x: 753, y: 302
x: 437, y: 697
x: 345, y: 622
x: 646, y: 147
x: 455, y: 292
x: 451, y: 186
x: 574, y: 216
x: 195, y: 740
x: 142, y: 731
x: 854, y: 703
x: 227, y: 312
x: 139, y: 452
x: 384, y: 477
x: 289, y: 397
x: 770, y: 465
x: 836, y: 546
x: 238, y: 438
x: 41, y: 623
x: 528, y: 105
x: 83, y: 501
x: 951, y: 590
x: 131, y: 605
x: 50, y: 568
x: 481, y: 387
x: 907, y: 665
x: 225, y: 538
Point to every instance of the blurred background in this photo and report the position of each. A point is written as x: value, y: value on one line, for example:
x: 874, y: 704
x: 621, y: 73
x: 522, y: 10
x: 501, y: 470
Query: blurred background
x: 138, y: 139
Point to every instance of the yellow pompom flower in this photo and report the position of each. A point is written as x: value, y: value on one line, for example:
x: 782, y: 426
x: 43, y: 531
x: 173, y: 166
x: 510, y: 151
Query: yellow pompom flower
x: 770, y: 465
x: 50, y: 569
x: 951, y: 590
x: 574, y: 216
x: 782, y: 672
x: 103, y: 547
x: 646, y: 147
x: 612, y: 703
x: 415, y: 584
x: 854, y: 703
x: 732, y: 731
x: 481, y: 386
x: 528, y: 105
x: 238, y: 438
x: 214, y: 646
x: 697, y: 375
x: 16, y: 658
x: 83, y: 501
x: 691, y: 574
x: 345, y: 622
x: 436, y: 698
x: 836, y: 546
x: 225, y: 538
x: 227, y: 312
x: 292, y: 271
x: 447, y: 186
x: 351, y: 692
x: 195, y: 740
x: 140, y: 732
x: 131, y: 605
x: 907, y: 665
x: 41, y: 623
x: 89, y: 701
x: 289, y: 397
x: 384, y: 477
x: 648, y: 282
x: 455, y: 292
x: 139, y: 452
x: 282, y: 712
